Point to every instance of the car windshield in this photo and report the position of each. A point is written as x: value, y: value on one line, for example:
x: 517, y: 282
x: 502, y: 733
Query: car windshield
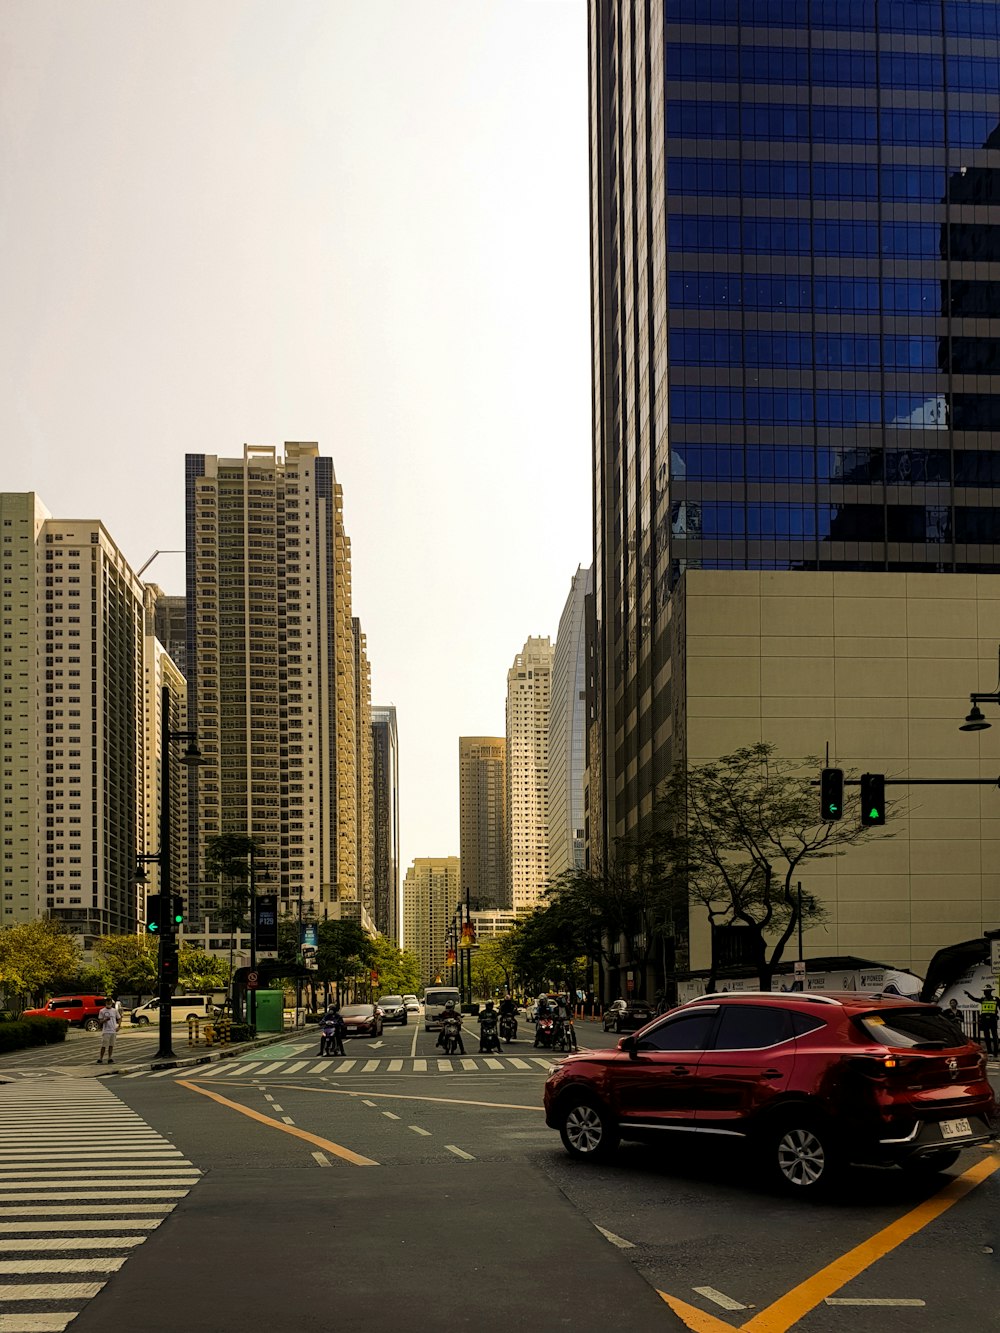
x: 391, y: 999
x: 915, y: 1028
x: 356, y: 1011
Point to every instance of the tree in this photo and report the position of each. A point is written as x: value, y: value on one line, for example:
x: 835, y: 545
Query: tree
x: 227, y: 857
x: 126, y: 963
x: 344, y: 950
x: 750, y: 820
x: 32, y: 955
x: 202, y: 971
x: 493, y: 966
x: 398, y: 969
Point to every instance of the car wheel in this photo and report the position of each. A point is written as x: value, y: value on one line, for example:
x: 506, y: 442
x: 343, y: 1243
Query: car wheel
x: 90, y: 1025
x: 142, y: 1022
x: 803, y: 1156
x: 931, y: 1163
x: 586, y: 1128
x: 404, y: 1022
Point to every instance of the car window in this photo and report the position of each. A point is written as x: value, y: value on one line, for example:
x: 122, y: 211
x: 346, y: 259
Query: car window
x: 390, y: 999
x: 686, y: 1032
x: 909, y: 1027
x: 70, y: 1004
x: 751, y: 1027
x: 803, y: 1023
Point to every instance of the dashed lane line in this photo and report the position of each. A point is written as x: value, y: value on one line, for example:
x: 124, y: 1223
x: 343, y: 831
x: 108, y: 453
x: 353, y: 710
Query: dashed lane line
x: 417, y: 1130
x: 460, y: 1152
x: 402, y: 1097
x: 337, y: 1149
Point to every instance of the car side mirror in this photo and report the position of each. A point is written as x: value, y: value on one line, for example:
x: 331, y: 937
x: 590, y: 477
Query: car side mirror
x: 627, y: 1044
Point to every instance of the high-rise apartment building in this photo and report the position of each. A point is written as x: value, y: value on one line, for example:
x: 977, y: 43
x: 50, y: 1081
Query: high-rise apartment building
x: 170, y: 624
x: 792, y: 227
x: 431, y: 892
x: 80, y: 736
x: 365, y: 775
x: 568, y: 732
x: 385, y: 818
x: 528, y: 695
x: 271, y: 670
x: 482, y: 802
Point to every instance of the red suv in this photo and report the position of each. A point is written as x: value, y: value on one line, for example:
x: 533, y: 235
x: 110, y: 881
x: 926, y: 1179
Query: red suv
x: 79, y: 1010
x: 810, y: 1080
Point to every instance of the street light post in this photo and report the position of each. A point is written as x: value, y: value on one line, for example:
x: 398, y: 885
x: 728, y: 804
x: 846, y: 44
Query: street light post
x: 168, y: 933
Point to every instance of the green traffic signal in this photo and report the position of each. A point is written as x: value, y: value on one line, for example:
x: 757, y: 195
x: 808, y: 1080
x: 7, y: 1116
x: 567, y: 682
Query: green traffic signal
x: 153, y: 913
x: 872, y: 799
x: 832, y: 794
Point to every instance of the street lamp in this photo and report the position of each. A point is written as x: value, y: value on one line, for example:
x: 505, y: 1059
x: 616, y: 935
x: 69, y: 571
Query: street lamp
x: 975, y: 721
x: 167, y: 952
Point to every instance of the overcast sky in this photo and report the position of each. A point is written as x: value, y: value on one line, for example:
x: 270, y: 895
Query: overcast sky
x: 360, y: 222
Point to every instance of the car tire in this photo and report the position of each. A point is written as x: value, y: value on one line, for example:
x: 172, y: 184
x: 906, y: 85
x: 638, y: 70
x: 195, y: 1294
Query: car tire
x: 586, y: 1128
x: 90, y: 1025
x: 932, y: 1163
x: 142, y: 1022
x: 404, y: 1021
x: 802, y: 1155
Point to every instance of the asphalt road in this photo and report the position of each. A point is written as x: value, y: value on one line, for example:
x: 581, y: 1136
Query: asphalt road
x: 392, y: 1190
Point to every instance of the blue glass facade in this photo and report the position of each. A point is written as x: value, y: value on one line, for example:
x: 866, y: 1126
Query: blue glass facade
x: 832, y: 209
x: 795, y: 243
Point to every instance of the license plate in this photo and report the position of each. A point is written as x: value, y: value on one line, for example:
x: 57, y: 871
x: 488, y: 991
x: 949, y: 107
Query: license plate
x: 955, y: 1129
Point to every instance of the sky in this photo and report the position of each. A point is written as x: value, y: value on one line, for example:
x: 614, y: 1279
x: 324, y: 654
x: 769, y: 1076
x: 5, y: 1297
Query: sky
x: 359, y: 222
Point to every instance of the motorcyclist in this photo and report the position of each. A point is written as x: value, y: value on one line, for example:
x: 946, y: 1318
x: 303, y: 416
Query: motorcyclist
x: 564, y: 1021
x: 488, y: 1038
x: 450, y: 1012
x: 508, y: 1009
x: 541, y: 1011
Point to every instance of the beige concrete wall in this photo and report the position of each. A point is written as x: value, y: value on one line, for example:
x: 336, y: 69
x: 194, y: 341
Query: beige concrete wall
x: 881, y: 667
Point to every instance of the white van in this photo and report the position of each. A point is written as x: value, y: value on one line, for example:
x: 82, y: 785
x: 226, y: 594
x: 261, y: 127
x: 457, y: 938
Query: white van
x: 182, y: 1007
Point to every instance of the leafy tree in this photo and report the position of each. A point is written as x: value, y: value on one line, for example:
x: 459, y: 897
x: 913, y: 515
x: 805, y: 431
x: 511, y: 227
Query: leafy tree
x: 32, y: 955
x: 398, y: 969
x: 126, y: 963
x: 493, y: 966
x: 751, y: 827
x: 201, y: 971
x: 549, y: 946
x: 227, y: 857
x: 343, y: 952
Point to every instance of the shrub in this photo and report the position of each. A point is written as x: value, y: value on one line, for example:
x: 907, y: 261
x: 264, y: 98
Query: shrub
x: 241, y: 1032
x: 25, y: 1032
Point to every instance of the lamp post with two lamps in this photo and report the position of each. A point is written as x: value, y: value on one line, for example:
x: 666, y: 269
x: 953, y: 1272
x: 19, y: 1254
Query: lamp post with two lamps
x: 167, y: 954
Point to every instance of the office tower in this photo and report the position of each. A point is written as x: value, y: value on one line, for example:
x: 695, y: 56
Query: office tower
x: 430, y: 894
x: 365, y: 776
x: 482, y: 802
x: 528, y: 687
x: 77, y: 728
x: 385, y: 817
x: 170, y: 624
x: 271, y: 671
x: 791, y: 210
x: 568, y: 732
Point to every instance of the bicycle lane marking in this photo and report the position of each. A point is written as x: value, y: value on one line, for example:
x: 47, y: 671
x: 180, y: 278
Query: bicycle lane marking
x: 794, y: 1305
x: 327, y: 1144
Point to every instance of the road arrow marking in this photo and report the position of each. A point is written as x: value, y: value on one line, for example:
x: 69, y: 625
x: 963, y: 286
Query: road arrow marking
x: 376, y: 1044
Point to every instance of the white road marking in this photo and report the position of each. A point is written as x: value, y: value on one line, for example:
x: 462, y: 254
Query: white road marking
x: 48, y: 1291
x: 42, y: 1243
x: 615, y: 1240
x: 288, y: 1120
x: 390, y: 1116
x: 419, y: 1066
x: 460, y: 1152
x: 322, y: 1159
x: 316, y: 1068
x: 417, y: 1130
x: 395, y: 1066
x: 376, y: 1044
x: 67, y: 1209
x: 165, y: 1073
x: 19, y: 1266
x: 89, y: 1194
x: 719, y: 1298
x: 538, y: 1061
x: 413, y: 1044
x: 268, y: 1097
x: 275, y: 1064
x: 240, y: 1068
x: 366, y: 1102
x: 494, y: 1064
x: 294, y: 1069
x: 518, y: 1064
x: 445, y: 1066
x: 207, y: 1073
x: 35, y: 1323
x: 276, y: 1107
x: 129, y: 1224
x: 468, y: 1064
x: 858, y: 1300
x: 370, y: 1066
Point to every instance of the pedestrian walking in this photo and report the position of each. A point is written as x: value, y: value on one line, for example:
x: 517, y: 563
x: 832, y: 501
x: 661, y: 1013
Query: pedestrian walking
x: 108, y: 1019
x: 954, y: 1015
x: 987, y: 1019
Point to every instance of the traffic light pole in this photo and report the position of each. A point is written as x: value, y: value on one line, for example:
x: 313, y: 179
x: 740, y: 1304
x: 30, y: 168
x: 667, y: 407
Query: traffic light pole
x: 167, y: 937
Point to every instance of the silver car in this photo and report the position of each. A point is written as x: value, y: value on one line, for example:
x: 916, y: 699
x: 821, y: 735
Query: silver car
x: 394, y: 1009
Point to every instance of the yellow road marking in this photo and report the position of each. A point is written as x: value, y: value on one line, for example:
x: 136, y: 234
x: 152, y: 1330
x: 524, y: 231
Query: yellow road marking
x: 394, y: 1096
x: 795, y: 1304
x: 344, y: 1153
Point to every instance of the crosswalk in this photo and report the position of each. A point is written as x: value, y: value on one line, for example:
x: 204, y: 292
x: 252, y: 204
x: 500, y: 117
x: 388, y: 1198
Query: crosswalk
x: 337, y: 1067
x: 83, y: 1182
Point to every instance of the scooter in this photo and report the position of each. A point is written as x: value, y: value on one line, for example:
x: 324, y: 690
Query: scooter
x: 545, y: 1031
x: 489, y: 1039
x: 450, y: 1028
x: 508, y: 1027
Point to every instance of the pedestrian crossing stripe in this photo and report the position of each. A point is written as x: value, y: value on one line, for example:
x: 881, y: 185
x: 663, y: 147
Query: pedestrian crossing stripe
x: 335, y: 1067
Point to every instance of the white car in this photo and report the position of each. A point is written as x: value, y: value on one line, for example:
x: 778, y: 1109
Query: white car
x: 412, y: 1004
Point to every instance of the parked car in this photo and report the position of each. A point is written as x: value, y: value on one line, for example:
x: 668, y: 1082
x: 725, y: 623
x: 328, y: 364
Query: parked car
x: 809, y: 1081
x: 80, y: 1011
x: 393, y: 1009
x: 627, y: 1016
x: 412, y: 1004
x: 182, y: 1007
x: 362, y: 1020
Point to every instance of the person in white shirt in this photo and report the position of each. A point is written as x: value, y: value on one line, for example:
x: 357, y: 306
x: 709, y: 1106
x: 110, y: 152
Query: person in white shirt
x: 108, y: 1019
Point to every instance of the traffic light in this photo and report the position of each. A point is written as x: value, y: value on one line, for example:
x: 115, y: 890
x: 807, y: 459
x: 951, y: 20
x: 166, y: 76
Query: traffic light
x: 153, y: 914
x: 831, y: 786
x: 178, y: 910
x: 168, y: 966
x: 872, y: 799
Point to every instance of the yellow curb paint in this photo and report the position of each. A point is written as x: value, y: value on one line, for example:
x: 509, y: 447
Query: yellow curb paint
x: 327, y: 1144
x: 801, y: 1300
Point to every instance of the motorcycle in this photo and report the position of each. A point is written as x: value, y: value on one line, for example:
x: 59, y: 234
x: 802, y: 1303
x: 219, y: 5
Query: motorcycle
x: 545, y: 1031
x: 508, y: 1027
x: 450, y: 1028
x: 564, y: 1038
x: 489, y: 1039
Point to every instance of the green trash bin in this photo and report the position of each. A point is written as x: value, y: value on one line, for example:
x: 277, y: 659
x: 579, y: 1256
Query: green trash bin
x: 270, y: 1011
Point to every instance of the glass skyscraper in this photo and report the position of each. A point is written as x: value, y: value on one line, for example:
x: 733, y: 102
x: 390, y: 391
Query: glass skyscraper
x: 796, y: 313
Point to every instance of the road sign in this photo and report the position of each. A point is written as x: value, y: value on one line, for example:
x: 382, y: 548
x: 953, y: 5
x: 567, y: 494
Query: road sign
x: 995, y: 957
x: 374, y: 977
x: 253, y: 980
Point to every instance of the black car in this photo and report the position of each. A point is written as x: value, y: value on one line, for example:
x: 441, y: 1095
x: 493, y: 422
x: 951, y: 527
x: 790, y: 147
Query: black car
x: 628, y: 1016
x: 393, y: 1009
